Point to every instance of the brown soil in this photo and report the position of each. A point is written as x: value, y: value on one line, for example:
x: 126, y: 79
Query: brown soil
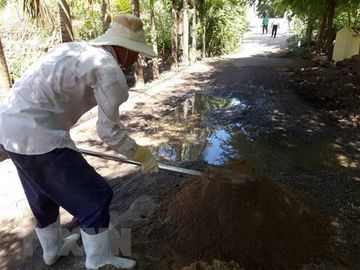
x: 327, y: 87
x: 236, y: 214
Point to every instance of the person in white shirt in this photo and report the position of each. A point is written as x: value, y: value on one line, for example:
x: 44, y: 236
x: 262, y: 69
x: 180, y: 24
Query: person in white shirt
x: 46, y: 102
x: 275, y: 25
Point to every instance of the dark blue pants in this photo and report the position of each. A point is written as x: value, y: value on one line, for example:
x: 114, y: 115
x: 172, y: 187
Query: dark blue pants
x: 63, y: 178
x: 274, y: 31
x: 265, y: 28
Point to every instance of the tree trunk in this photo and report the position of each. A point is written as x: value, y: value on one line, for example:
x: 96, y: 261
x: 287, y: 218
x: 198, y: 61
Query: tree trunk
x: 193, y: 33
x: 203, y: 51
x: 89, y: 5
x: 135, y: 8
x: 4, y: 73
x: 139, y: 66
x: 155, y: 62
x: 105, y: 14
x: 67, y: 34
x: 185, y: 45
x: 320, y: 36
x: 174, y: 37
x: 330, y: 29
x: 309, y: 31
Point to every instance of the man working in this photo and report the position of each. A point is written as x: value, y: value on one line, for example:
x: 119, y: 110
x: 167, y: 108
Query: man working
x: 46, y: 102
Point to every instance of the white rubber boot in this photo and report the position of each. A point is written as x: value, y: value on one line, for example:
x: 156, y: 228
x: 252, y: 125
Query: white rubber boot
x: 98, y: 252
x: 52, y: 242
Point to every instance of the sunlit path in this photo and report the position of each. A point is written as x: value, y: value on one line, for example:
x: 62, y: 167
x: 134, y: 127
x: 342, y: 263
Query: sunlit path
x: 256, y: 44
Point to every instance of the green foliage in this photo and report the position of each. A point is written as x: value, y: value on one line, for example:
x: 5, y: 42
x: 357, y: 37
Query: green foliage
x: 225, y: 22
x: 299, y: 27
x: 123, y: 6
x: 15, y: 69
x: 24, y: 43
x: 38, y: 10
x: 162, y: 13
x: 272, y: 11
x: 348, y: 15
x: 164, y: 35
x: 312, y: 8
x: 295, y: 45
x: 92, y: 26
x: 87, y: 23
x: 3, y: 4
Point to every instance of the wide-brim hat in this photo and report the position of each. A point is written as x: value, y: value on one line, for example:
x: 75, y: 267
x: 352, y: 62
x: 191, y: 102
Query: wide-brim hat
x: 126, y: 31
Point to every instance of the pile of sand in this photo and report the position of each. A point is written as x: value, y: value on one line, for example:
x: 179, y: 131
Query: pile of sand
x: 233, y: 213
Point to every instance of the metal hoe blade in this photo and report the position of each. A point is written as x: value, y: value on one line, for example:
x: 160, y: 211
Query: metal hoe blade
x: 129, y: 161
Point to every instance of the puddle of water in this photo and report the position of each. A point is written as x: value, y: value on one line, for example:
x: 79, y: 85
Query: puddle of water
x: 213, y: 129
x: 193, y: 135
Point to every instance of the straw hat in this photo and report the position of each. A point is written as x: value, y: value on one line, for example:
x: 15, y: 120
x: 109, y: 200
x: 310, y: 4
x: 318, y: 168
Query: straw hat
x: 126, y: 31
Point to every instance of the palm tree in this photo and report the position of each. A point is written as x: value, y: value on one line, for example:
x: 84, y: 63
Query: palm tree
x: 38, y: 10
x: 155, y: 66
x: 330, y: 28
x: 320, y: 34
x: 139, y: 70
x: 174, y: 37
x: 105, y: 13
x: 67, y: 34
x: 185, y: 43
x: 4, y: 72
x: 203, y: 10
x: 193, y: 33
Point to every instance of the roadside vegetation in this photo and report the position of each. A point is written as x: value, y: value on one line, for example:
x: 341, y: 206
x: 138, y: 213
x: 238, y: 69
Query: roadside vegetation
x: 316, y: 22
x: 180, y: 31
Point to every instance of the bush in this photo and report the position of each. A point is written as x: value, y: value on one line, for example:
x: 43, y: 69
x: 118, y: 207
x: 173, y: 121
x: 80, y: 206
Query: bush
x: 224, y: 27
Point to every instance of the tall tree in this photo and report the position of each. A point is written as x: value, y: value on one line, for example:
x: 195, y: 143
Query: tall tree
x: 67, y: 34
x: 320, y: 36
x: 5, y: 83
x: 193, y: 32
x: 155, y: 62
x: 4, y: 72
x: 174, y: 36
x: 330, y: 29
x: 203, y: 10
x: 309, y: 31
x: 89, y: 5
x: 105, y: 14
x: 139, y: 66
x: 185, y: 39
x: 135, y: 6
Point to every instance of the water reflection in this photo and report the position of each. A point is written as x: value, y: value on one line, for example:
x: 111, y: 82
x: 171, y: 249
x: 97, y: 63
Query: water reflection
x: 217, y: 130
x: 200, y: 129
x: 214, y: 152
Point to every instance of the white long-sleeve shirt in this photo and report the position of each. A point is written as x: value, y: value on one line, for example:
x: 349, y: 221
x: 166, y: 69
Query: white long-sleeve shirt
x: 48, y: 100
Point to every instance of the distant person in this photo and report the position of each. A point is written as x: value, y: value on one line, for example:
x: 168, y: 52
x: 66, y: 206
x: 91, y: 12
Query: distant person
x: 288, y: 16
x: 265, y: 23
x: 275, y: 25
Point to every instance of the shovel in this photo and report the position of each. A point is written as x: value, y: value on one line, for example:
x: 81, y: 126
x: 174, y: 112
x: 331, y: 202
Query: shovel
x: 129, y: 161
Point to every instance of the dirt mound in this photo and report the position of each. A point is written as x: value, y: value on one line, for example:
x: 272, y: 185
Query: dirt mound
x: 235, y: 214
x: 351, y: 64
x: 327, y: 88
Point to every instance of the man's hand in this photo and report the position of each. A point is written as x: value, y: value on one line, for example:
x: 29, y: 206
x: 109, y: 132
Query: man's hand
x: 147, y: 159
